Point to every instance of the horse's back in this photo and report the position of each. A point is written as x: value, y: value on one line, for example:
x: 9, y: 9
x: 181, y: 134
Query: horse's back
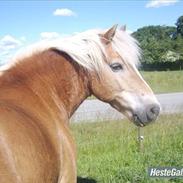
x: 26, y: 153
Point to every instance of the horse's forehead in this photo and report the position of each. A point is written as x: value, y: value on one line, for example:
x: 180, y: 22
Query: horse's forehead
x: 111, y: 53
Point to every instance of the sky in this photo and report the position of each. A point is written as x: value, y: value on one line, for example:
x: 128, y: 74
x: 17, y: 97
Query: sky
x: 25, y: 22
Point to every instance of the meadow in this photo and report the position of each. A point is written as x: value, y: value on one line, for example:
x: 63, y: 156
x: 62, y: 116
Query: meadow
x: 108, y: 152
x: 164, y: 81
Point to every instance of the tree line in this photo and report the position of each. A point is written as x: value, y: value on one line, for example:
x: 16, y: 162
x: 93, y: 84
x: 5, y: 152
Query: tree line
x: 162, y: 46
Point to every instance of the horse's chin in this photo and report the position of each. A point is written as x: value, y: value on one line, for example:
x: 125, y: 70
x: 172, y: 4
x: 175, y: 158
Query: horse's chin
x: 129, y: 116
x: 138, y: 122
x: 140, y: 119
x: 133, y: 119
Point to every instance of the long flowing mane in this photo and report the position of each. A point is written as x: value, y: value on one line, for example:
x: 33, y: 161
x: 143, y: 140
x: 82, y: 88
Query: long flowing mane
x: 86, y: 48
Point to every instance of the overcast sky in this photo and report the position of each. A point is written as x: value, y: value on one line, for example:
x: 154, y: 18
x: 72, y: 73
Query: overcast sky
x: 25, y: 22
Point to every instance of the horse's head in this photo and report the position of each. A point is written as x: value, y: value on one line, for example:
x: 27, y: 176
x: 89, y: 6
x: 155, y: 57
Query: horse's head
x: 119, y: 83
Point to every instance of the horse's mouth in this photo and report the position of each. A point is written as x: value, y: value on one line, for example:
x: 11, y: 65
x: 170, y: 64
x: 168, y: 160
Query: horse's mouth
x: 138, y: 117
x: 136, y: 120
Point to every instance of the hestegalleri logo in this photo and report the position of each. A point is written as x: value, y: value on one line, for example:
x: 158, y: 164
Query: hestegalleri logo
x: 169, y: 172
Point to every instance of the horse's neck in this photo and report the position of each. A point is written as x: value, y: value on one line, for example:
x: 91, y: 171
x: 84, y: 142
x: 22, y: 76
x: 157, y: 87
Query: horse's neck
x: 56, y: 83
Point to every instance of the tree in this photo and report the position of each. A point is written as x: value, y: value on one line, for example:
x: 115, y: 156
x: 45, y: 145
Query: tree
x: 161, y: 50
x: 179, y: 25
x: 178, y: 48
x: 171, y: 56
x: 154, y: 41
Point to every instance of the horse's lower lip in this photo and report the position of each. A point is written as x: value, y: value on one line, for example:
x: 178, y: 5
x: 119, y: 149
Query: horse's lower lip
x: 137, y: 121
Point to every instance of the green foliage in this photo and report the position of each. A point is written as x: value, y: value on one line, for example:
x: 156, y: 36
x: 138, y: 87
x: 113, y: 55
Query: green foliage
x: 162, y: 46
x: 170, y: 56
x: 108, y: 152
x: 179, y: 25
x: 155, y: 42
x: 178, y: 46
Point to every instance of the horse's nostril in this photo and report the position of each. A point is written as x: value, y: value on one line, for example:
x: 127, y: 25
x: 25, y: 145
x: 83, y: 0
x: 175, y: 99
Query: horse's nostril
x: 142, y: 118
x: 153, y: 112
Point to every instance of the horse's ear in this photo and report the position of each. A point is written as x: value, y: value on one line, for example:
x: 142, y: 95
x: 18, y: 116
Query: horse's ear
x: 109, y: 34
x: 123, y: 28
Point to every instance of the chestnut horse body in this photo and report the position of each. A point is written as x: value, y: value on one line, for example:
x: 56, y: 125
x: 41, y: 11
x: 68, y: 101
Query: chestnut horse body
x: 40, y: 92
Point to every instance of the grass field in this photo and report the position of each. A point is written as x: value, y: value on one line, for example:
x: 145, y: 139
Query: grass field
x: 108, y: 152
x: 164, y: 81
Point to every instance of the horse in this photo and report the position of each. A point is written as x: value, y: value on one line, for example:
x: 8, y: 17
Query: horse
x: 43, y: 87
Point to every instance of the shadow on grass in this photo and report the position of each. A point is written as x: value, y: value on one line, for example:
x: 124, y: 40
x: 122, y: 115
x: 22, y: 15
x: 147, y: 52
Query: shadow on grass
x: 85, y: 180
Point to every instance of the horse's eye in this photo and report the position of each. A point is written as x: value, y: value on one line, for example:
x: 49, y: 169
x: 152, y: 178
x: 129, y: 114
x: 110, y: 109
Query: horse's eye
x: 116, y: 67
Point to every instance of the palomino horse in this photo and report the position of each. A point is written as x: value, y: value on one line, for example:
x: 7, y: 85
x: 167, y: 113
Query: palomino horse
x: 42, y: 89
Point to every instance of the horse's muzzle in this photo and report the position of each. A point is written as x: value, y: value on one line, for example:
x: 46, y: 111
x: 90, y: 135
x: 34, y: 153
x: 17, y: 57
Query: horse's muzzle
x: 144, y: 117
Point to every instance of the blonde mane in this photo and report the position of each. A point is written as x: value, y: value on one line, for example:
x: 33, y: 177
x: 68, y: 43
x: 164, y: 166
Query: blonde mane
x: 86, y: 48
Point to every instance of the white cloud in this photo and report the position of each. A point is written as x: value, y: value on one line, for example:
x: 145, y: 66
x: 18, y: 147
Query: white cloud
x: 8, y: 42
x: 159, y: 3
x: 49, y: 35
x: 23, y: 38
x: 8, y: 45
x: 52, y: 35
x: 64, y: 12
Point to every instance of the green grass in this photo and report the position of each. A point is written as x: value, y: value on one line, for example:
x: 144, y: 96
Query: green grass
x: 108, y: 152
x: 164, y: 81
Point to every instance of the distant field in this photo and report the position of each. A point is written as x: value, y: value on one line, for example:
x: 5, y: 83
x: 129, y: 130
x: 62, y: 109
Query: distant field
x: 108, y: 151
x: 165, y: 81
